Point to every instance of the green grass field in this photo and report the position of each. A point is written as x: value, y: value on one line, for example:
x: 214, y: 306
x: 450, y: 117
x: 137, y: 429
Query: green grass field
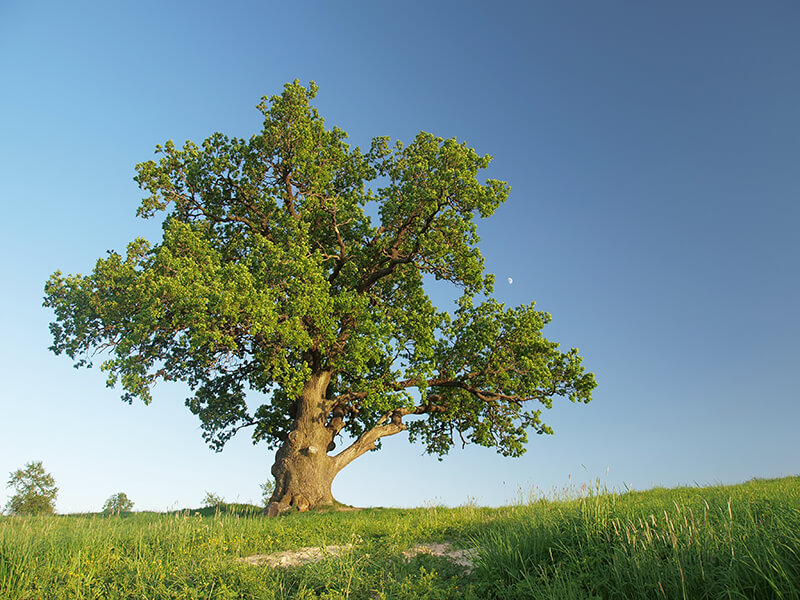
x: 739, y: 541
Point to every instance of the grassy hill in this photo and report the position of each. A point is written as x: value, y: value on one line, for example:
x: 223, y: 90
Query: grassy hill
x: 738, y: 541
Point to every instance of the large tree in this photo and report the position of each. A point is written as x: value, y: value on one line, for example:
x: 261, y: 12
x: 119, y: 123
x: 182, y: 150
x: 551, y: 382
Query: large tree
x: 118, y: 503
x: 288, y: 291
x: 35, y: 491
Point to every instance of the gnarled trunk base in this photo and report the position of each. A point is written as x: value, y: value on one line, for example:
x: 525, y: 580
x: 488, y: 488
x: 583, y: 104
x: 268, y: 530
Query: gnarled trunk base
x: 303, y: 470
x: 303, y: 474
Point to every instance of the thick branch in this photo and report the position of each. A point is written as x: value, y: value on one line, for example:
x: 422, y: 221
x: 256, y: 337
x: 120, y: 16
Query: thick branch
x: 366, y: 441
x: 290, y: 195
x: 389, y: 424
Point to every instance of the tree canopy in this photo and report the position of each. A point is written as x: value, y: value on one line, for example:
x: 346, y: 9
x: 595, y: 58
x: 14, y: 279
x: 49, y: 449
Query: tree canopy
x: 291, y: 261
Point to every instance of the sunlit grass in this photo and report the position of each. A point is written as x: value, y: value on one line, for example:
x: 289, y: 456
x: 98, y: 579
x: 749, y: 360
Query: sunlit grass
x: 715, y: 542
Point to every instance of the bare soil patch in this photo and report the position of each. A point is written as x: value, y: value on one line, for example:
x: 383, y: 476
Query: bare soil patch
x: 461, y: 557
x: 293, y: 558
x: 310, y: 554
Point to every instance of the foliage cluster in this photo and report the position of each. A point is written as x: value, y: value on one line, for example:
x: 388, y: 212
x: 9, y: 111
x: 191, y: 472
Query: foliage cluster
x: 731, y: 542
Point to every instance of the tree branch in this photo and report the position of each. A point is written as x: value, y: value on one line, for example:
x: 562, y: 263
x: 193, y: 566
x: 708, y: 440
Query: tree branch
x: 366, y: 441
x: 393, y: 253
x: 389, y: 424
x: 290, y: 195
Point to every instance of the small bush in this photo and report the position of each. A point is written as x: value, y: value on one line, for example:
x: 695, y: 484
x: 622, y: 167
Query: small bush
x: 212, y: 500
x: 267, y: 488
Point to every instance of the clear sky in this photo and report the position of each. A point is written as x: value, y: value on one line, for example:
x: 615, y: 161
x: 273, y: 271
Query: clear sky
x: 652, y: 151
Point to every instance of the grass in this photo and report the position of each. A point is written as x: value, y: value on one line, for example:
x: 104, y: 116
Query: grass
x: 716, y: 542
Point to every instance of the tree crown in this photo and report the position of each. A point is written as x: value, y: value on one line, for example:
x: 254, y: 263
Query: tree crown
x: 271, y: 269
x: 35, y: 490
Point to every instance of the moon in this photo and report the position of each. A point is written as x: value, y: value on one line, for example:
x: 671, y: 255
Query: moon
x: 510, y: 281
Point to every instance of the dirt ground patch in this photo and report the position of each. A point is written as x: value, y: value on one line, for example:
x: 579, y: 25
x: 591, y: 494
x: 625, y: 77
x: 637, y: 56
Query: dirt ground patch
x: 293, y: 558
x: 301, y: 556
x: 461, y: 557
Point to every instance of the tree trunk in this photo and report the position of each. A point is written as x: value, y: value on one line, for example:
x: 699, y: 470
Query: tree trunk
x: 303, y: 470
x: 303, y: 477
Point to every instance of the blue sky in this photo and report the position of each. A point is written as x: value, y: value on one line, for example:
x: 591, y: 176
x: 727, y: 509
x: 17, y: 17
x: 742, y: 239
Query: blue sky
x: 652, y: 152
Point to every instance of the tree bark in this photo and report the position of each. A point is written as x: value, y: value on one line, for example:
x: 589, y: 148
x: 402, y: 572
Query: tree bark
x: 303, y: 475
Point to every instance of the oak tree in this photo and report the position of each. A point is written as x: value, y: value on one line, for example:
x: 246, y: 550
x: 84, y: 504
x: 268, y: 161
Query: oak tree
x: 290, y: 292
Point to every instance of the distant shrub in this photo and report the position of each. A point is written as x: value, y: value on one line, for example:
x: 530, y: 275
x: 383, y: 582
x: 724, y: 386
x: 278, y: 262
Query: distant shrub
x: 212, y: 500
x: 267, y: 488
